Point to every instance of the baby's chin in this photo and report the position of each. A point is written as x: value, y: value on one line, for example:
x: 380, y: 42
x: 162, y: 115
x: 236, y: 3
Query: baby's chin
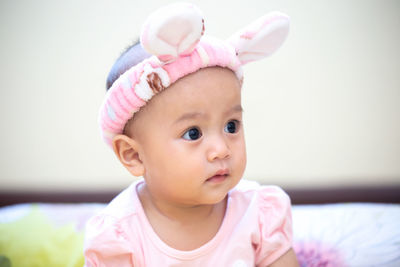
x: 219, y: 194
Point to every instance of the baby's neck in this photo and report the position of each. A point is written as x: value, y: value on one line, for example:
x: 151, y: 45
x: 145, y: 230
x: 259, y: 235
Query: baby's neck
x: 174, y: 224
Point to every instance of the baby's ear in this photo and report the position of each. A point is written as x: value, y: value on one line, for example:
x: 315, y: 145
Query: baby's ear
x: 261, y: 38
x: 126, y: 149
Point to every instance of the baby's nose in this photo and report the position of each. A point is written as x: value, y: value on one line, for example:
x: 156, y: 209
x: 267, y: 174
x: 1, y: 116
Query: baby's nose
x: 219, y: 149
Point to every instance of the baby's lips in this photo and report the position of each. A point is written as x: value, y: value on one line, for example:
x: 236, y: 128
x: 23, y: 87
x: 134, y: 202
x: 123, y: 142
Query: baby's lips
x: 222, y: 172
x: 219, y: 173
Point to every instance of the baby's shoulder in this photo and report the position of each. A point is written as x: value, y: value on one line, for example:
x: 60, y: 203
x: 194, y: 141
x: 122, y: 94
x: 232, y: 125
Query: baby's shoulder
x: 112, y: 224
x: 252, y: 189
x: 124, y: 205
x: 108, y: 234
x: 268, y: 215
x: 260, y: 198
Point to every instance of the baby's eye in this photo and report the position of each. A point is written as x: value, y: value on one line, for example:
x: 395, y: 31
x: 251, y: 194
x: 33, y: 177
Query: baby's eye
x: 232, y: 126
x: 192, y: 134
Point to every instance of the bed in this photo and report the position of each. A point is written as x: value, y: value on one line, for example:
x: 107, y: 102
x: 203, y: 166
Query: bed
x: 332, y: 227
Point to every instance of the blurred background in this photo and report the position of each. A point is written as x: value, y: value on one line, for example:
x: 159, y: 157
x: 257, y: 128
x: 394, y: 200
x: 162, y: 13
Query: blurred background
x: 324, y: 111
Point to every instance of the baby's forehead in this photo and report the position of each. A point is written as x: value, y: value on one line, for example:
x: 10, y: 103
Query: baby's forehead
x: 205, y: 82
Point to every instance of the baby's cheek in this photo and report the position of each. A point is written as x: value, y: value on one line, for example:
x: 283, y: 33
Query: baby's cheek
x: 242, y: 156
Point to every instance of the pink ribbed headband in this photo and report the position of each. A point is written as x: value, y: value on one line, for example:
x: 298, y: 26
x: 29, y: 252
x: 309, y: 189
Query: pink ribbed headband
x: 174, y: 36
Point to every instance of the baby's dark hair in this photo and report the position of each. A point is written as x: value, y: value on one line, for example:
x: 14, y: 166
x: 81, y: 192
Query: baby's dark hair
x: 132, y: 55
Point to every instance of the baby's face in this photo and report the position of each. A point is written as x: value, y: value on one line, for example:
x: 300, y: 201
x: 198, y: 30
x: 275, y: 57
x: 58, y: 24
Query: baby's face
x: 191, y: 138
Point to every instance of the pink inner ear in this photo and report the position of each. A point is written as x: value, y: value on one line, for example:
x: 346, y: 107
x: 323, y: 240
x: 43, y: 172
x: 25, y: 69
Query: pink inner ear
x: 267, y: 46
x: 261, y: 38
x: 171, y: 37
x: 166, y: 58
x: 248, y: 34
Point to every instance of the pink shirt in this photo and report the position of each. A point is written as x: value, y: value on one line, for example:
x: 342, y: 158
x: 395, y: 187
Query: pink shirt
x: 256, y: 230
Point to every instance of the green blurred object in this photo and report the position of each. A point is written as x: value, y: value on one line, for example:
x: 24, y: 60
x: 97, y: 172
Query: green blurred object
x: 33, y: 241
x: 4, y: 261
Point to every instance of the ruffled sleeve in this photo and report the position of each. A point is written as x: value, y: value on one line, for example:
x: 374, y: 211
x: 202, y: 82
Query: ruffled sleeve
x: 275, y: 225
x: 106, y: 244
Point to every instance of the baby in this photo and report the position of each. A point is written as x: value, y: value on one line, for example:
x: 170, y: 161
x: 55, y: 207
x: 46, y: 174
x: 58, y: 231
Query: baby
x: 173, y: 115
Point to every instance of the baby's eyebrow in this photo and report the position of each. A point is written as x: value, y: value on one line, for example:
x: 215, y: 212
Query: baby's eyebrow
x: 189, y: 116
x: 235, y: 109
x: 195, y: 115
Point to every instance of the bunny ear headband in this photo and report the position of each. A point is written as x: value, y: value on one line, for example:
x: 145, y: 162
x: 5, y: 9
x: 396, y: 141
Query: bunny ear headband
x: 174, y: 36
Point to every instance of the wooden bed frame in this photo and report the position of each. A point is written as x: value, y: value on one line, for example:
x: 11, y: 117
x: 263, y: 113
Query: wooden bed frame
x: 383, y: 194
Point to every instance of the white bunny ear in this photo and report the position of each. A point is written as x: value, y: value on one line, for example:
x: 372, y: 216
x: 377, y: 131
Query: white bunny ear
x: 172, y: 31
x: 261, y: 38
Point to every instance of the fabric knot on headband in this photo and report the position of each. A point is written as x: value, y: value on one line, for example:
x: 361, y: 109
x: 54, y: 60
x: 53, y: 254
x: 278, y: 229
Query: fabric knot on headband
x: 174, y: 36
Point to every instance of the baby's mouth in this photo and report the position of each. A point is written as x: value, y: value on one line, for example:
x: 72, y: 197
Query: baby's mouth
x: 219, y: 176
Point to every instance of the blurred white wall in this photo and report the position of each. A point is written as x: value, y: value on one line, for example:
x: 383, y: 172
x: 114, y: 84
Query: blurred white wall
x: 323, y: 111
